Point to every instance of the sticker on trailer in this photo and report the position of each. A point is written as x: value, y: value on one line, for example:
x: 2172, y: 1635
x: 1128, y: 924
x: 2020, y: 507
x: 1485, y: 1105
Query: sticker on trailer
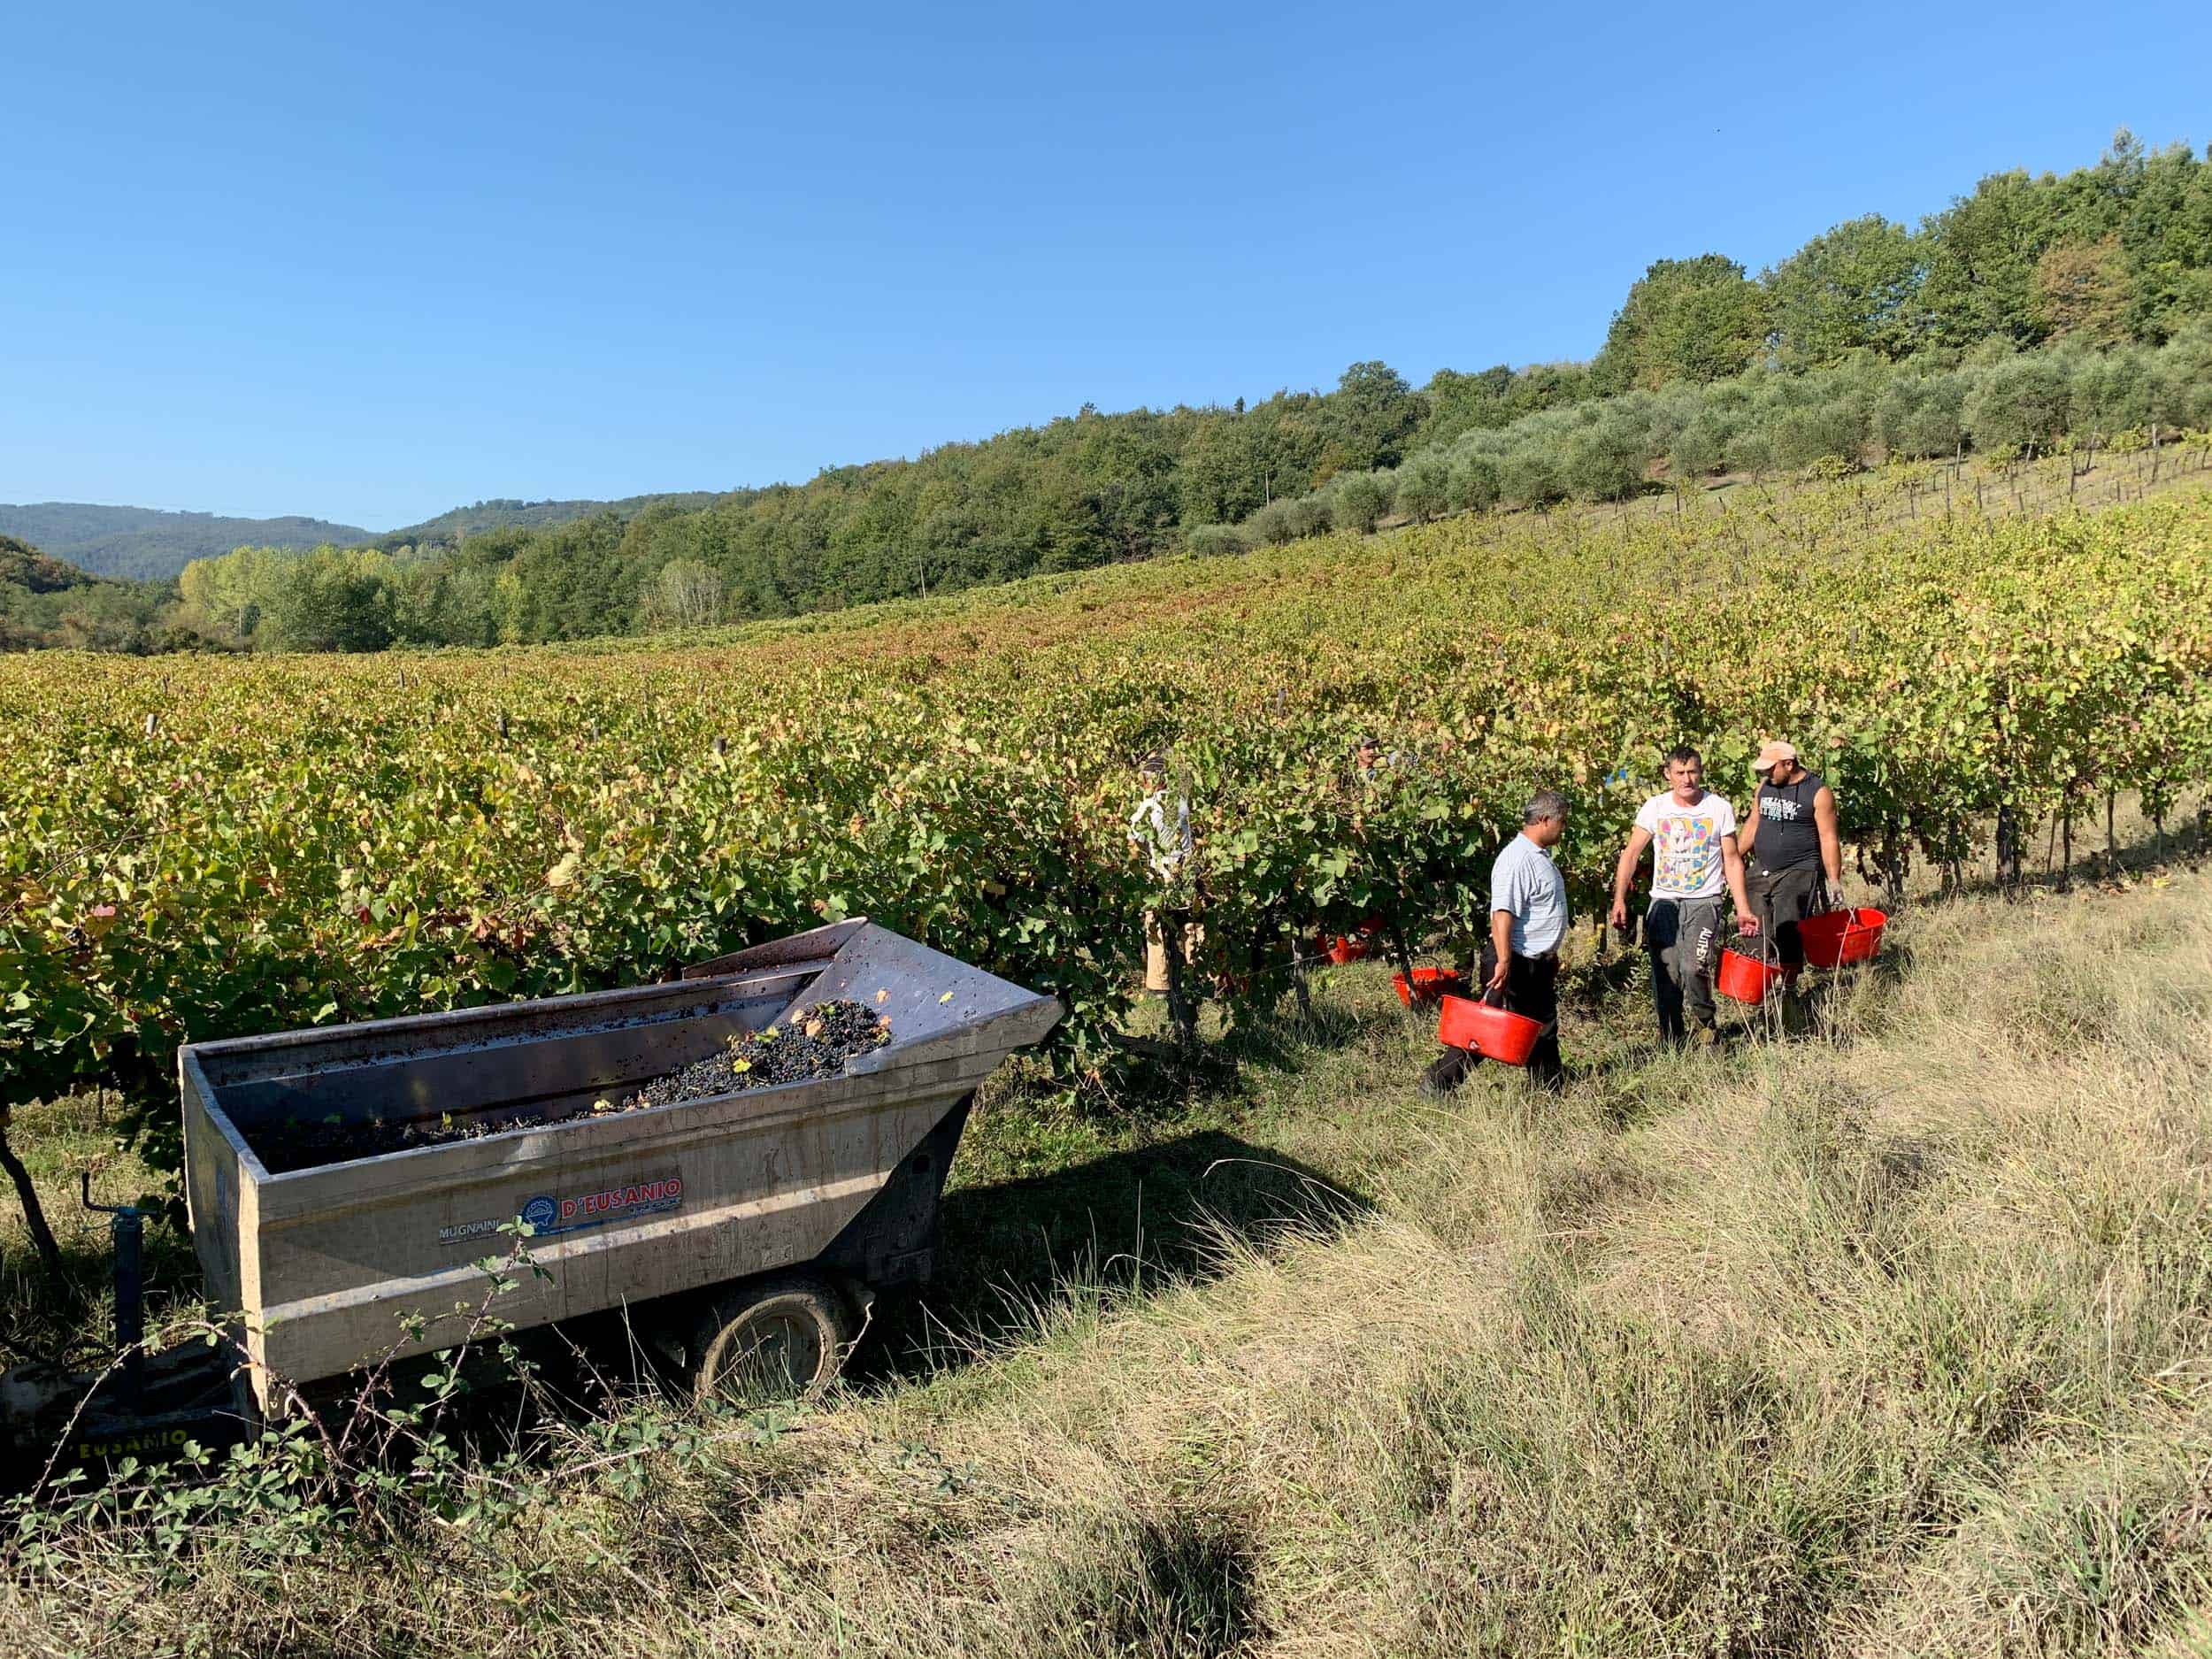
x: 468, y: 1232
x: 608, y: 1204
x: 549, y: 1214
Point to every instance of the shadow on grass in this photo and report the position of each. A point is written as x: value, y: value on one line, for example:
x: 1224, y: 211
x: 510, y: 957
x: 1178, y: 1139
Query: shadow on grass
x: 1275, y: 1036
x: 1192, y: 1592
x: 1009, y: 1250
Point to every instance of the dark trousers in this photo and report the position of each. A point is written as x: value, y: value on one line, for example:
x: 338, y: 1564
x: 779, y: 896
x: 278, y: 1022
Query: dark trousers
x: 1781, y: 899
x: 1683, y: 936
x: 1532, y: 989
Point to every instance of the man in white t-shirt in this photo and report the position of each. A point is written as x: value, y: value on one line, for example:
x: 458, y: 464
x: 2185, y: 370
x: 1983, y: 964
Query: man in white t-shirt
x: 1694, y: 865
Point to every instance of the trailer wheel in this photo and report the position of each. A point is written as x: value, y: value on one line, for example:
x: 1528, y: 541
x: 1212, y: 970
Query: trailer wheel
x: 784, y: 1340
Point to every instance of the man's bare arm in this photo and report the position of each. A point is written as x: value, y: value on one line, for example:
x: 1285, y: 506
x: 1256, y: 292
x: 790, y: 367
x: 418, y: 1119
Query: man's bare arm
x: 1501, y: 946
x: 1831, y: 841
x: 1731, y: 862
x: 1624, y: 873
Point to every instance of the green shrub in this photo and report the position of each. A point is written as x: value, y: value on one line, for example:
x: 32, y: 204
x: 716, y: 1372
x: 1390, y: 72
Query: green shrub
x: 1473, y: 484
x: 1358, y: 501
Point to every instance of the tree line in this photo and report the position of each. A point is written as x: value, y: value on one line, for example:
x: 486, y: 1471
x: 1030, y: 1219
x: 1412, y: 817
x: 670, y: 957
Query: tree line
x: 2035, y: 310
x: 1991, y: 401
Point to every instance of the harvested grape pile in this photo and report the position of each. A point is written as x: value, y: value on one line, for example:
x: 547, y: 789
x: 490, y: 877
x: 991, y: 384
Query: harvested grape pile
x: 293, y: 1144
x: 817, y: 1046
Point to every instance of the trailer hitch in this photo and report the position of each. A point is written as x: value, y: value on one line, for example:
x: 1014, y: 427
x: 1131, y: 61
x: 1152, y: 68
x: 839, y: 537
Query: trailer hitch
x: 128, y: 1230
x: 184, y: 1401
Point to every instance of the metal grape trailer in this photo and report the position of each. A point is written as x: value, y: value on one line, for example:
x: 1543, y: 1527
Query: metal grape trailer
x: 744, y: 1235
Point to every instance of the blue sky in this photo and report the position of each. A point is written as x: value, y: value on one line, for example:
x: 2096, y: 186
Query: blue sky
x: 368, y: 262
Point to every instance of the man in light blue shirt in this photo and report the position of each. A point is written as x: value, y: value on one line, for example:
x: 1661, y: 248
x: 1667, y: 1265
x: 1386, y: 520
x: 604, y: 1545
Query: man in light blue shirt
x: 1520, y: 960
x: 1528, y: 896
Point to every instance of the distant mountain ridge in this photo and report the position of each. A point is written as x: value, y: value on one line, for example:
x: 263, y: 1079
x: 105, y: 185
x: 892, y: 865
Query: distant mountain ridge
x: 147, y: 544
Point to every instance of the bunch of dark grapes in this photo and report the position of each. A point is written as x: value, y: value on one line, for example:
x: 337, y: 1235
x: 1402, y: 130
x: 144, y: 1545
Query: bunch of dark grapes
x: 817, y: 1044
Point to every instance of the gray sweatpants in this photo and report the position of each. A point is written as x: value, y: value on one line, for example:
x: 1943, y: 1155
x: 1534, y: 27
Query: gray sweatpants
x: 1683, y: 938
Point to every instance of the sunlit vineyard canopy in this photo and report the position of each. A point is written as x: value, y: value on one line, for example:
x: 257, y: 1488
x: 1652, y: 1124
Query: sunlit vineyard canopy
x: 207, y: 846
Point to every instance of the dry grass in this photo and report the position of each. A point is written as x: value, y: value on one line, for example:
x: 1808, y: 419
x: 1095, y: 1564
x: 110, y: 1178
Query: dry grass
x: 1892, y: 1342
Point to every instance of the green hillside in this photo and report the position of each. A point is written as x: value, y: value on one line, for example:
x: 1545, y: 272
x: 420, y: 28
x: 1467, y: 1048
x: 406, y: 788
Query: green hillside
x: 23, y: 565
x: 2069, y: 310
x: 147, y: 544
x: 46, y: 602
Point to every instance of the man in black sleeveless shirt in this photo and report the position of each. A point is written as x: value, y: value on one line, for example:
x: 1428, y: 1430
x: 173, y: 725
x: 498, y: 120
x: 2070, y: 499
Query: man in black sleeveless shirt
x: 1790, y: 834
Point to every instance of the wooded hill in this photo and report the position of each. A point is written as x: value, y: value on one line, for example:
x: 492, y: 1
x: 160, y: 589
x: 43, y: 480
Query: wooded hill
x: 455, y: 523
x: 47, y: 601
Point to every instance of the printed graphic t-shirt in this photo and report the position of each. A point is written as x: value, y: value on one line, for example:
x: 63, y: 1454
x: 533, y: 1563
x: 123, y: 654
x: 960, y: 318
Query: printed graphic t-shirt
x: 1686, y: 845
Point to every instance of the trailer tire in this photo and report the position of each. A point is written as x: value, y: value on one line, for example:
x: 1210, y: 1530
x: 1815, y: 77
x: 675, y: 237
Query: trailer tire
x: 783, y: 1338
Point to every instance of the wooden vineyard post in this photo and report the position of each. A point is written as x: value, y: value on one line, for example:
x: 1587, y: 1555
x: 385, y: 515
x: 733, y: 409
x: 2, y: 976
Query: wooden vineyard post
x: 1399, y: 949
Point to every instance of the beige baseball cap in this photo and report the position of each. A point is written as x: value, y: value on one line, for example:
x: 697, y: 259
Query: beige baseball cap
x: 1774, y: 754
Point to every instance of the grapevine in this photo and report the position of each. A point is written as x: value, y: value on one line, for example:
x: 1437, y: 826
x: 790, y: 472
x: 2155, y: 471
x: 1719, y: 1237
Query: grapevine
x: 193, y: 849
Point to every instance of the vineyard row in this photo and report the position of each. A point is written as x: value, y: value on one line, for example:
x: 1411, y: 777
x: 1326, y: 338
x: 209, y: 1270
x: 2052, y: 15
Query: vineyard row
x: 214, y: 846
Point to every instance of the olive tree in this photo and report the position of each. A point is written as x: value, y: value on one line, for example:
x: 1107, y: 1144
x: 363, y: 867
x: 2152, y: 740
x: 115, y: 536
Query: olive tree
x: 1529, y: 475
x: 1474, y: 484
x: 1605, y: 462
x: 1359, y: 500
x: 1425, y: 489
x: 2017, y: 404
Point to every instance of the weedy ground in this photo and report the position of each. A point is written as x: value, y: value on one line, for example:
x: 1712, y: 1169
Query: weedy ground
x: 1889, y: 1341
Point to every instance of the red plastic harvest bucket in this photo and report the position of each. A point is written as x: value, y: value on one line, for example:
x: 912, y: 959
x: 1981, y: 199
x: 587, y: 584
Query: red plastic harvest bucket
x: 1353, y: 947
x: 1493, y: 1032
x: 1746, y: 978
x: 1427, y: 985
x: 1842, y: 936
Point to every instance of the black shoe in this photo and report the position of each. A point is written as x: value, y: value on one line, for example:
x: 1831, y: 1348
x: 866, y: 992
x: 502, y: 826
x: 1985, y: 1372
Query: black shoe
x: 1444, y: 1074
